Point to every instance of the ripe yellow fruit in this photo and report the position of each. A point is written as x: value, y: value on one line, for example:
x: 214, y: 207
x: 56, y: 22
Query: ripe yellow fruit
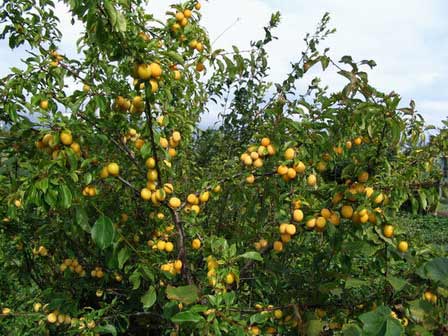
x: 187, y: 13
x: 250, y: 179
x: 174, y: 202
x: 195, y: 208
x: 282, y: 170
x: 179, y: 16
x: 348, y: 144
x: 176, y: 136
x: 334, y: 219
x: 291, y: 229
x: 143, y: 71
x: 357, y: 141
x: 217, y: 189
x: 152, y: 175
x: 156, y: 70
x: 368, y: 191
x: 150, y: 163
x: 6, y: 311
x: 321, y: 222
x: 230, y: 278
x: 43, y: 104
x: 75, y: 147
x: 193, y: 44
x: 285, y: 237
x: 278, y: 314
x: 204, y: 196
x: 311, y: 223
x: 247, y: 160
x: 169, y: 247
x: 265, y: 142
x: 311, y: 180
x: 299, y: 167
x: 263, y: 243
x: 403, y: 246
x: 291, y: 173
x: 363, y: 177
x: 154, y: 85
x: 282, y: 228
x: 388, y: 231
x: 66, y: 138
x: 258, y: 163
x: 427, y: 296
x: 161, y: 245
x: 347, y: 211
x: 297, y: 215
x: 192, y: 199
x: 145, y: 194
x: 163, y: 142
x: 197, y: 6
x: 271, y: 150
x: 172, y: 152
x: 183, y: 23
x: 278, y: 246
x: 18, y: 203
x: 196, y: 244
x: 321, y: 166
x: 37, y: 306
x: 338, y: 150
x: 378, y: 199
x: 325, y: 213
x: 178, y: 265
x: 254, y: 330
x: 200, y: 67
x: 86, y: 88
x: 113, y: 169
x: 52, y: 318
x: 177, y: 75
x: 290, y: 153
x: 254, y: 155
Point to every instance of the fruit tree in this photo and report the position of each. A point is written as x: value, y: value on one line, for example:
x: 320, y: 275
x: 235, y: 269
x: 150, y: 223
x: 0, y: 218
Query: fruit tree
x: 120, y: 216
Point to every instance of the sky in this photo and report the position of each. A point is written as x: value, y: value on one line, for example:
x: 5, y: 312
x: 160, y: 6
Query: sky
x: 407, y: 39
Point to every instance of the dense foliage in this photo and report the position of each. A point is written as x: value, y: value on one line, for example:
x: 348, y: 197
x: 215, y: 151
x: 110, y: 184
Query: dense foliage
x: 121, y: 216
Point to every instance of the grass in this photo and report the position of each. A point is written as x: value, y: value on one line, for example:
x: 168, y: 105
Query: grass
x: 428, y: 229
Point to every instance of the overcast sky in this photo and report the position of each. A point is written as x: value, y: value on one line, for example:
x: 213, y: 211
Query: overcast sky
x: 407, y: 39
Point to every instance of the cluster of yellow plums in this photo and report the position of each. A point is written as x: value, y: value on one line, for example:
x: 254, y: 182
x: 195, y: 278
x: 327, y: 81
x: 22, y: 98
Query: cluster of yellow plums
x: 89, y: 191
x: 254, y: 155
x: 174, y: 267
x: 97, y: 272
x: 41, y: 250
x: 73, y: 265
x: 49, y: 144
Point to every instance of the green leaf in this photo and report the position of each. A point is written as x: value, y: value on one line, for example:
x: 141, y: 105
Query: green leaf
x: 106, y: 330
x: 420, y: 309
x: 436, y: 270
x: 314, y: 327
x: 351, y: 330
x: 355, y: 283
x: 187, y: 316
x: 380, y: 323
x: 123, y: 256
x: 82, y: 219
x: 149, y: 298
x: 103, y: 232
x: 135, y: 279
x: 121, y: 23
x: 253, y: 255
x: 184, y: 294
x: 65, y: 196
x: 397, y: 283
